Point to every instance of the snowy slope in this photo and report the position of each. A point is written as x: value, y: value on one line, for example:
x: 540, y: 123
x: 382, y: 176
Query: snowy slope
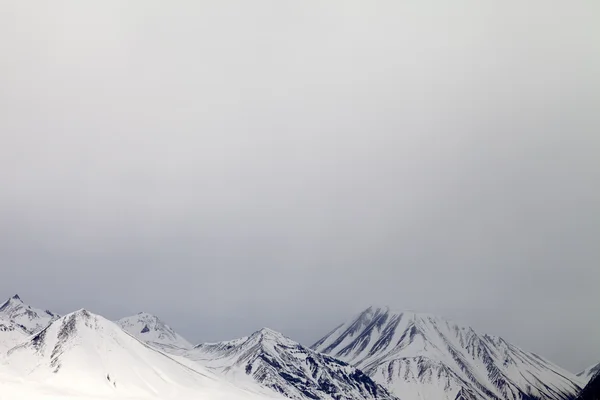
x: 591, y: 391
x: 426, y: 357
x: 11, y: 334
x: 153, y: 331
x: 286, y: 367
x: 587, y: 374
x: 82, y: 354
x: 31, y: 319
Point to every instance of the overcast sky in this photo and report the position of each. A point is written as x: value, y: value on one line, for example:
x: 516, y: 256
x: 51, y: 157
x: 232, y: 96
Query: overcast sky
x: 229, y: 165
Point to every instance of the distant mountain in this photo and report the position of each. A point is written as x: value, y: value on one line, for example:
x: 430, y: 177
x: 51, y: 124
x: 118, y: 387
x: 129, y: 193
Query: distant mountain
x: 152, y: 330
x: 287, y: 367
x: 31, y: 319
x: 592, y: 390
x: 379, y: 354
x: 82, y: 354
x: 421, y: 356
x: 587, y: 374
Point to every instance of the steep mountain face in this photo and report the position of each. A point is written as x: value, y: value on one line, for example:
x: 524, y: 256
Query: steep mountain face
x: 426, y: 357
x: 588, y: 373
x: 83, y: 354
x: 150, y: 329
x: 287, y: 368
x: 591, y: 391
x: 31, y: 319
x: 11, y: 334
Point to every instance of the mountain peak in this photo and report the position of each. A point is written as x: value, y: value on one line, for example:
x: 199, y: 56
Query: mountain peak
x: 146, y: 314
x: 12, y: 302
x: 149, y: 318
x: 31, y: 319
x: 79, y: 315
x: 89, y: 356
x: 386, y: 310
x: 268, y: 332
x: 288, y: 368
x: 82, y: 312
x: 377, y: 307
x: 151, y: 329
x: 396, y: 347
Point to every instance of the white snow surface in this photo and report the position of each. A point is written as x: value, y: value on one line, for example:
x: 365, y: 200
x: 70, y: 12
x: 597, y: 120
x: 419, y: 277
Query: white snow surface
x: 287, y: 367
x: 587, y: 374
x: 85, y: 356
x: 29, y: 318
x: 11, y: 334
x: 416, y: 356
x: 152, y: 330
x: 421, y: 356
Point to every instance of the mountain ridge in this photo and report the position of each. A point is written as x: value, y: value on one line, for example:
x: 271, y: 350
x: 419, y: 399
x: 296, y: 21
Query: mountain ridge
x: 287, y: 367
x: 380, y: 353
x: 420, y: 353
x: 29, y: 318
x: 587, y: 374
x: 90, y: 355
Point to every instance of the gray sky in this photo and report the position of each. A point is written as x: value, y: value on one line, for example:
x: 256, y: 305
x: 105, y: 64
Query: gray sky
x: 233, y: 165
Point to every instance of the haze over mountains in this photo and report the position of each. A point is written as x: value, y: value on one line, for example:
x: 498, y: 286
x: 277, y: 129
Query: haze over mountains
x: 379, y: 354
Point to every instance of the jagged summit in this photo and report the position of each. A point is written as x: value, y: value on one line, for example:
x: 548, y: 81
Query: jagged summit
x: 31, y: 319
x: 286, y: 367
x: 151, y: 329
x: 268, y: 331
x: 12, y: 301
x: 270, y: 334
x: 382, y: 310
x: 147, y: 314
x: 81, y: 313
x: 15, y: 299
x: 262, y: 338
x: 418, y: 353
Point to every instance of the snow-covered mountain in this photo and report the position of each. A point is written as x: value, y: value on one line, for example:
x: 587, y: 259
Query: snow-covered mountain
x: 31, y: 319
x: 152, y: 330
x: 420, y: 356
x: 287, y: 367
x: 587, y: 374
x: 82, y: 354
x: 380, y: 354
x: 11, y: 334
